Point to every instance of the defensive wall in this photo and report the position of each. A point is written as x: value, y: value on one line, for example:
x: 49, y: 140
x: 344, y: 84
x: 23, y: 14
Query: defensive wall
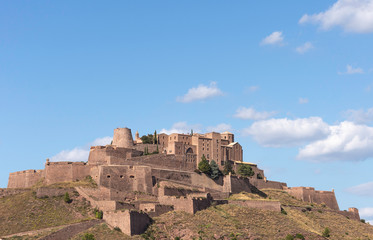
x: 259, y: 204
x: 352, y: 213
x: 65, y: 171
x: 130, y: 222
x: 4, y: 192
x: 190, y: 204
x: 98, y: 154
x: 309, y: 194
x: 25, y: 179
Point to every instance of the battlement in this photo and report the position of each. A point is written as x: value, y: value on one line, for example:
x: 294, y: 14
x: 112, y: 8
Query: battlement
x: 65, y: 163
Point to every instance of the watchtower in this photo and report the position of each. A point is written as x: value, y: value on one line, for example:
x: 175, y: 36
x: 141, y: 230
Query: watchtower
x: 123, y: 138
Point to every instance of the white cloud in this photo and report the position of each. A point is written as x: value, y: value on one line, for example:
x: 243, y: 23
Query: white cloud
x: 201, y: 92
x: 352, y: 70
x: 182, y: 127
x: 79, y: 154
x: 252, y: 114
x: 303, y: 100
x: 346, y: 142
x: 366, y: 213
x: 365, y: 189
x: 275, y: 38
x: 359, y: 116
x: 223, y: 127
x: 352, y: 15
x: 286, y: 132
x: 304, y: 48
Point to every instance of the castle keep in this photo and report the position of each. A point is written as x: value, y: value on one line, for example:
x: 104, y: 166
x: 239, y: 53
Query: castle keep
x: 166, y: 179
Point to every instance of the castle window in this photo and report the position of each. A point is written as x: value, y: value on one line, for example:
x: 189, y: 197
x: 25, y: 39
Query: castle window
x: 132, y: 176
x: 207, y: 149
x: 108, y: 176
x: 225, y: 137
x: 175, y: 137
x: 121, y: 176
x: 203, y: 149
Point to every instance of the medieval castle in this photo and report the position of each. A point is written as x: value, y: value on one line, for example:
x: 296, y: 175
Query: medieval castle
x: 166, y: 179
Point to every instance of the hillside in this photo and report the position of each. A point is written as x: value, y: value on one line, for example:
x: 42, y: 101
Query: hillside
x: 24, y: 211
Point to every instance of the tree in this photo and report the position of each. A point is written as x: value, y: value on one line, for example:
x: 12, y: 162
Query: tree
x: 155, y: 140
x: 214, y: 169
x: 191, y: 132
x: 204, y: 165
x: 67, y: 198
x: 227, y: 168
x: 147, y: 139
x: 326, y: 232
x: 245, y: 170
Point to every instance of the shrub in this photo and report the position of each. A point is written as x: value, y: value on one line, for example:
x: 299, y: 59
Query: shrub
x: 259, y: 176
x: 299, y: 236
x: 309, y: 208
x: 283, y: 211
x: 214, y: 168
x: 88, y: 236
x: 117, y: 229
x: 227, y: 168
x: 204, y: 165
x: 197, y: 171
x: 326, y: 232
x: 98, y: 214
x: 362, y: 220
x: 67, y: 198
x: 289, y: 237
x: 245, y: 170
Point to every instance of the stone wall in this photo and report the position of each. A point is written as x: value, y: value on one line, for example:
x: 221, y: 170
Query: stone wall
x: 126, y: 178
x: 352, y: 213
x: 155, y: 209
x: 309, y: 194
x: 98, y: 154
x: 263, y: 184
x: 24, y: 179
x: 65, y: 171
x: 190, y: 204
x: 4, y: 192
x: 129, y: 222
x: 266, y: 205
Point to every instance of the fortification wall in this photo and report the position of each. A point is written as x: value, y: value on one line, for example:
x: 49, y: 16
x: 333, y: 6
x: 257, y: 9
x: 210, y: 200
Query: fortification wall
x: 5, y: 192
x: 155, y: 209
x: 24, y: 179
x: 352, y: 213
x: 126, y: 178
x: 309, y: 194
x: 98, y: 154
x: 263, y: 184
x: 129, y: 222
x: 65, y: 171
x: 151, y: 147
x: 240, y: 184
x: 265, y: 205
x: 161, y: 160
x: 190, y: 204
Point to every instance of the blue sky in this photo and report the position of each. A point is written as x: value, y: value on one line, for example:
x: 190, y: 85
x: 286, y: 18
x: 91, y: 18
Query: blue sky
x: 292, y: 79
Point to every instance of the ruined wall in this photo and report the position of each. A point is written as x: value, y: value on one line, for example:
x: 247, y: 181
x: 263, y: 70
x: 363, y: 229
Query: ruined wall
x: 265, y: 205
x: 24, y: 179
x: 4, y: 192
x: 190, y: 204
x: 126, y: 178
x: 352, y: 213
x: 65, y: 171
x: 129, y: 222
x: 155, y: 209
x: 308, y: 194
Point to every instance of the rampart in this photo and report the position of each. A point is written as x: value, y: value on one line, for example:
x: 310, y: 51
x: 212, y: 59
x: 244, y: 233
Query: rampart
x: 4, y: 192
x: 265, y: 184
x: 24, y: 179
x: 65, y: 171
x: 190, y: 204
x: 259, y: 204
x: 98, y: 154
x: 309, y: 194
x: 129, y: 222
x: 352, y: 213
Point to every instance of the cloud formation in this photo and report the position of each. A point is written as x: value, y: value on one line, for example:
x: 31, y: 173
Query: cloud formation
x: 303, y: 100
x: 351, y: 15
x: 304, y: 48
x: 182, y: 127
x: 79, y: 154
x: 252, y: 114
x: 365, y: 189
x: 223, y: 127
x: 201, y: 92
x: 346, y: 142
x: 359, y: 116
x: 285, y: 132
x: 275, y: 38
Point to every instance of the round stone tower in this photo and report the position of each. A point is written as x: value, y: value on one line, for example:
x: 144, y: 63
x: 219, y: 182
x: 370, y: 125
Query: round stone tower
x: 123, y: 138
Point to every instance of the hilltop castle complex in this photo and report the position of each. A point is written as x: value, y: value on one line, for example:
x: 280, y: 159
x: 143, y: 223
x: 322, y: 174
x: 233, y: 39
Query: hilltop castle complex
x: 166, y: 178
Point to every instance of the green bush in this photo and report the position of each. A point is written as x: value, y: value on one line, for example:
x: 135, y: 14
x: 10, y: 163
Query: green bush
x: 362, y: 220
x: 204, y: 165
x: 299, y: 236
x: 88, y: 236
x: 259, y: 176
x: 283, y: 211
x: 67, y: 198
x: 227, y: 168
x: 289, y: 237
x: 245, y: 170
x: 326, y: 232
x: 117, y: 229
x: 98, y: 214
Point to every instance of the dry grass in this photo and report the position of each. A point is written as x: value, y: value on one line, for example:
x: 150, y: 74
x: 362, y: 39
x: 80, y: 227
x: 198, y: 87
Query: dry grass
x: 25, y: 212
x: 103, y: 232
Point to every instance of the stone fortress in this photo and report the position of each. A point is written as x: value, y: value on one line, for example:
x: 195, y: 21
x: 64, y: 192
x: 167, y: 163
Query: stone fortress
x: 133, y: 187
